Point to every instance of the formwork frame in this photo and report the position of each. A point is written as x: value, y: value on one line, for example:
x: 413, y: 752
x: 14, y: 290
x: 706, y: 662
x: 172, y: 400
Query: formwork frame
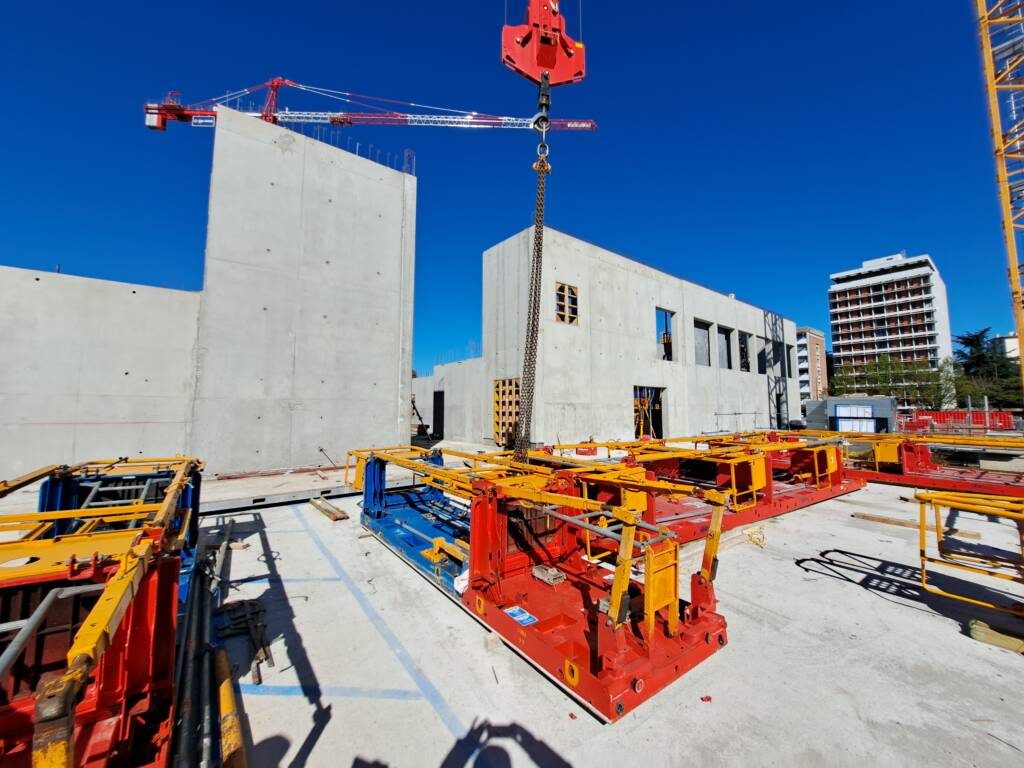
x: 982, y: 561
x: 111, y: 570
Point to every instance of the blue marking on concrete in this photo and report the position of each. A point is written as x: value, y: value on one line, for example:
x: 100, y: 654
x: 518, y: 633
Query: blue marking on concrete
x: 279, y: 580
x: 429, y: 691
x: 331, y: 692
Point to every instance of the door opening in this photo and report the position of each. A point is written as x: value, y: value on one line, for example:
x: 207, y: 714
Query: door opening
x: 647, y: 412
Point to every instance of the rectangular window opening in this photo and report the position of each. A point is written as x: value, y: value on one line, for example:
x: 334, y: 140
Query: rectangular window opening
x: 744, y: 339
x: 762, y: 355
x: 664, y: 319
x: 724, y: 347
x: 702, y: 342
x: 567, y: 309
x: 647, y: 412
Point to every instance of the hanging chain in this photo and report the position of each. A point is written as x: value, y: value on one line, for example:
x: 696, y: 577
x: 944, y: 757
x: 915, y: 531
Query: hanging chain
x: 526, y: 385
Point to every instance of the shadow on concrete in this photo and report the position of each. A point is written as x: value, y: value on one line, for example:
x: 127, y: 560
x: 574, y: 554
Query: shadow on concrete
x: 425, y: 441
x: 487, y: 745
x: 280, y: 620
x: 898, y: 582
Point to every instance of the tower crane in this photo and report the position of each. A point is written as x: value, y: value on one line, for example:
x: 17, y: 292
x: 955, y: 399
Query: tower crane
x: 1001, y: 24
x: 380, y: 111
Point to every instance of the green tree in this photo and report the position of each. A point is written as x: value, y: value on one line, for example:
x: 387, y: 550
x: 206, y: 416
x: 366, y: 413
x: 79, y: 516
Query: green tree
x: 985, y: 371
x: 841, y: 382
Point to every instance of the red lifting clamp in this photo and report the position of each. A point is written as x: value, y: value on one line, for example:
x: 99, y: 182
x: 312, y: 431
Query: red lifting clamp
x: 541, y: 46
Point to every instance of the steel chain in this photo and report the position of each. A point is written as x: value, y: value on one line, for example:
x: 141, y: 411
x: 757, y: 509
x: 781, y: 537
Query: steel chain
x: 526, y: 385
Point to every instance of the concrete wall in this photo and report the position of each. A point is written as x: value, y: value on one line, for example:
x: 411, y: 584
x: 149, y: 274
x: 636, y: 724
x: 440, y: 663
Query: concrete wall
x: 423, y: 391
x: 466, y: 415
x: 586, y: 372
x: 92, y: 369
x: 306, y: 317
x: 301, y: 338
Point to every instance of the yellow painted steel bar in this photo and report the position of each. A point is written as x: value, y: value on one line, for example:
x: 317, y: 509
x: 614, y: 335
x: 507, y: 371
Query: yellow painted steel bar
x: 232, y: 744
x: 7, y: 486
x: 992, y: 566
x: 126, y: 510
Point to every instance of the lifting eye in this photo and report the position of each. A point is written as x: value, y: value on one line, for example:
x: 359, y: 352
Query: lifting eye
x: 571, y: 673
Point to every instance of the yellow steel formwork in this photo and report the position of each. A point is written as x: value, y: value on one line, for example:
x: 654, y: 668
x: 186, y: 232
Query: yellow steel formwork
x: 981, y: 561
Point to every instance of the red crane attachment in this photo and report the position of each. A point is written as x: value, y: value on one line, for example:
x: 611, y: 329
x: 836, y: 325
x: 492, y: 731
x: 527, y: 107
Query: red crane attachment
x: 541, y: 46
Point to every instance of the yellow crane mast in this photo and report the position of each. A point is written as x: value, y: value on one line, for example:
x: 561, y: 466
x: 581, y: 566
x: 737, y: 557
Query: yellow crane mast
x: 1001, y: 24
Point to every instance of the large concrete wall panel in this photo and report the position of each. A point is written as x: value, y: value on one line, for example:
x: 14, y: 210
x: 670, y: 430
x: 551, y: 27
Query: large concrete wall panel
x: 586, y: 371
x: 306, y: 315
x: 93, y: 369
x: 464, y: 387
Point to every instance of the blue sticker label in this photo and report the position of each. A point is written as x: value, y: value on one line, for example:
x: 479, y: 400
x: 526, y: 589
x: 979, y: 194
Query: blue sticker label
x: 523, y: 617
x: 203, y: 121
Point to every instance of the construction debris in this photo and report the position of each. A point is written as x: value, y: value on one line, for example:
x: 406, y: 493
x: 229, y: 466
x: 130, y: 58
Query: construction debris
x: 245, y: 617
x: 328, y: 510
x: 886, y: 520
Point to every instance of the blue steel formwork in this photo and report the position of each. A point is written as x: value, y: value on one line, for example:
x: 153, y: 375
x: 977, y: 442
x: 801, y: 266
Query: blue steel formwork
x: 66, y: 491
x: 409, y: 519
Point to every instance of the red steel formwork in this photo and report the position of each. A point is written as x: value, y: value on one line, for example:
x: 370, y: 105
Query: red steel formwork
x: 124, y: 715
x: 917, y: 469
x: 88, y: 608
x: 567, y: 636
x: 764, y: 485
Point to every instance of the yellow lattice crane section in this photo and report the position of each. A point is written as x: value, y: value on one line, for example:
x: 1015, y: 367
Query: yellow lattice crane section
x: 1001, y: 25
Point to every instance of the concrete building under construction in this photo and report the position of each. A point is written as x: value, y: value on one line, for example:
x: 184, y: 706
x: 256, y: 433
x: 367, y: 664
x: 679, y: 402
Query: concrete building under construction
x: 625, y: 350
x: 308, y: 277
x: 246, y: 596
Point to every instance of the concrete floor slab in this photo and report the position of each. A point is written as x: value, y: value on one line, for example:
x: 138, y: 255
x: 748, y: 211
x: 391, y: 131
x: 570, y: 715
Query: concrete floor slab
x: 835, y: 656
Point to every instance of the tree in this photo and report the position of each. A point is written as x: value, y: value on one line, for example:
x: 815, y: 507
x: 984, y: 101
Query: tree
x: 841, y: 382
x: 985, y: 371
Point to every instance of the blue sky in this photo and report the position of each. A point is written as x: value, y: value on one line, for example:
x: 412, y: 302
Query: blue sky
x: 752, y: 147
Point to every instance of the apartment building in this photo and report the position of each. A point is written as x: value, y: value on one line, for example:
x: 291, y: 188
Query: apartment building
x: 895, y: 306
x: 811, y: 364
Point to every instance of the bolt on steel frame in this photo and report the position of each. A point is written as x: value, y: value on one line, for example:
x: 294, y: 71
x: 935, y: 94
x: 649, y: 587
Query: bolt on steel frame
x: 89, y: 599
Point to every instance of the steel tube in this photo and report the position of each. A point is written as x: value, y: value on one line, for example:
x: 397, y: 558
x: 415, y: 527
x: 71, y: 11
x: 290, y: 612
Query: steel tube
x: 27, y: 630
x: 205, y: 682
x: 185, y: 741
x: 218, y: 565
x: 31, y: 625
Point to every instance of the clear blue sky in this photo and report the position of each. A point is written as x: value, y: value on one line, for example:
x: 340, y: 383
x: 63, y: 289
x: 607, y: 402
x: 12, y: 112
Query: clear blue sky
x: 752, y: 147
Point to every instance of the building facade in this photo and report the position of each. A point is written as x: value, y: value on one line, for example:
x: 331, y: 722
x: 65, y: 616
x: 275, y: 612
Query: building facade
x: 624, y: 350
x: 1008, y: 345
x: 811, y: 364
x: 893, y: 306
x: 301, y: 338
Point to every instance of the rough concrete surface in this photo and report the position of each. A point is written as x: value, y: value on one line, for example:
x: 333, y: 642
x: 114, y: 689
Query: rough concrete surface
x: 94, y: 369
x: 305, y: 325
x: 586, y: 371
x: 834, y: 658
x: 300, y: 339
